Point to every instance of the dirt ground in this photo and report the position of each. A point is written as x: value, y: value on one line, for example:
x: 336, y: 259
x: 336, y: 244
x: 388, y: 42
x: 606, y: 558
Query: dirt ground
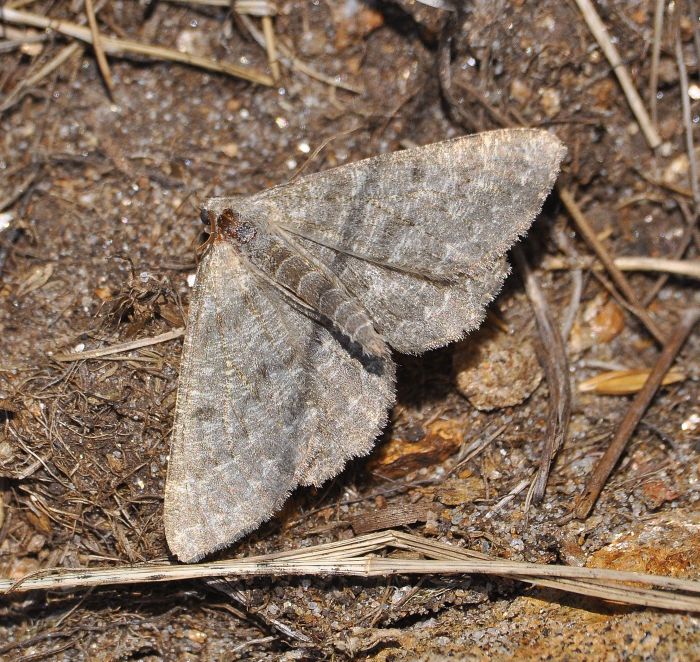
x: 99, y: 204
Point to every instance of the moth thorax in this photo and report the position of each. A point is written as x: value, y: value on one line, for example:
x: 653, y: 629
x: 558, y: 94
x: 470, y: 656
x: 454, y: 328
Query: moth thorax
x: 230, y: 226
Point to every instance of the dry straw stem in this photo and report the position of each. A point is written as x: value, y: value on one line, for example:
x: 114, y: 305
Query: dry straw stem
x: 115, y: 46
x: 688, y: 268
x: 12, y: 39
x: 120, y: 347
x: 567, y: 246
x: 634, y: 414
x: 357, y: 557
x: 266, y: 9
x: 585, y: 229
x: 693, y: 14
x: 600, y: 33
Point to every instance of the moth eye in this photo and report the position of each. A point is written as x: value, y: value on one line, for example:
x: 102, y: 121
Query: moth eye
x: 204, y: 216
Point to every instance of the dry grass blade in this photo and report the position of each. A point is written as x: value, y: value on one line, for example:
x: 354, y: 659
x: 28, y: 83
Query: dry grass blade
x: 600, y: 33
x: 12, y: 39
x: 120, y: 347
x: 693, y: 15
x: 606, y: 464
x: 624, y: 382
x: 350, y: 558
x: 116, y: 46
x: 250, y: 7
x: 567, y: 246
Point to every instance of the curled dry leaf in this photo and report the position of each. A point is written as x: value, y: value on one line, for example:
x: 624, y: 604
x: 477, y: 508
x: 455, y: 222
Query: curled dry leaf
x: 624, y: 382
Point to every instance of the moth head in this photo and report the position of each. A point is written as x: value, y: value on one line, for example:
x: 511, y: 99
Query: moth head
x: 229, y: 226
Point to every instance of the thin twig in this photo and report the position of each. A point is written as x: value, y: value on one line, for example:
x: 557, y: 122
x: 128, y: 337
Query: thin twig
x: 687, y: 122
x: 496, y: 115
x: 596, y: 26
x: 120, y: 347
x: 655, y: 57
x: 12, y: 39
x: 634, y: 414
x: 250, y: 7
x: 677, y: 189
x: 517, y: 489
x: 318, y: 150
x: 115, y: 46
x: 476, y: 447
x: 556, y: 368
x: 589, y: 235
x: 19, y: 190
x: 97, y: 47
x: 691, y: 220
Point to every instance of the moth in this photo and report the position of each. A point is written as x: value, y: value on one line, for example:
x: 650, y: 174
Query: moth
x: 303, y: 292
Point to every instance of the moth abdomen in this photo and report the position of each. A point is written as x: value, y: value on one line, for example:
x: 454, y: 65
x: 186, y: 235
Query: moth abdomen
x: 350, y: 318
x: 332, y: 301
x: 294, y: 272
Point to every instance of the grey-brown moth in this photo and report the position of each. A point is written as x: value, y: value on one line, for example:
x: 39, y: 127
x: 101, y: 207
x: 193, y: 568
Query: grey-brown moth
x: 304, y: 288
